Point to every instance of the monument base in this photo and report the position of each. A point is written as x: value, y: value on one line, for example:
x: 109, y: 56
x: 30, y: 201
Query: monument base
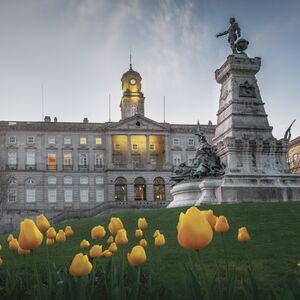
x: 208, y: 188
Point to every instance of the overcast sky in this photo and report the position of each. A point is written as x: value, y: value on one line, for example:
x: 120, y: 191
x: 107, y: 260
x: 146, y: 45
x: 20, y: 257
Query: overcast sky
x: 79, y: 49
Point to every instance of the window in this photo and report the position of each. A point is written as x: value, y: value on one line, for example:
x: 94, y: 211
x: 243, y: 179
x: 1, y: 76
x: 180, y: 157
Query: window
x: 12, y: 139
x: 68, y: 193
x: 30, y: 195
x: 98, y: 160
x: 67, y: 159
x: 30, y: 158
x: 153, y: 161
x: 134, y: 147
x: 84, y: 195
x: 83, y: 160
x: 67, y: 140
x: 12, y: 157
x: 51, y: 140
x: 176, y: 142
x: 98, y: 140
x: 99, y: 180
x: 68, y: 180
x: 133, y: 109
x: 84, y: 180
x: 12, y: 195
x: 120, y: 189
x: 52, y: 161
x: 159, y: 189
x: 30, y: 140
x: 82, y: 140
x: 99, y: 195
x: 176, y: 159
x: 117, y: 147
x: 51, y: 180
x: 152, y: 147
x: 139, y: 189
x: 52, y: 195
x: 191, y: 142
x: 30, y: 181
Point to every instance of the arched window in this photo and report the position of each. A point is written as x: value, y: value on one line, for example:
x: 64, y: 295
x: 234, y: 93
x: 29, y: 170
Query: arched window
x: 120, y: 189
x: 139, y: 189
x: 159, y: 189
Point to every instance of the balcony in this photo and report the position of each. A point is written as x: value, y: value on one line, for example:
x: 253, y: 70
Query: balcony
x: 99, y: 167
x: 52, y: 167
x: 83, y: 167
x: 30, y: 167
x: 11, y: 167
x: 67, y: 167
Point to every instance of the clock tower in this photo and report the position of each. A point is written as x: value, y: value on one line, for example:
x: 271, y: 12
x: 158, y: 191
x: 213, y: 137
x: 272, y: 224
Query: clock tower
x: 132, y: 101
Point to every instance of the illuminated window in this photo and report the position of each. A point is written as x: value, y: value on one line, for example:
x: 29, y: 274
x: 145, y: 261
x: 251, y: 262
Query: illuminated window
x: 12, y: 139
x: 68, y: 193
x: 134, y: 147
x: 98, y: 140
x: 117, y: 147
x: 159, y: 189
x: 139, y: 189
x: 51, y: 140
x: 121, y: 189
x: 176, y: 142
x: 12, y: 195
x: 99, y: 195
x: 30, y: 195
x: 83, y: 140
x: 84, y: 195
x: 52, y: 161
x: 152, y: 146
x: 191, y: 142
x: 30, y: 140
x: 51, y: 179
x: 68, y: 180
x: 67, y: 140
x: 52, y: 195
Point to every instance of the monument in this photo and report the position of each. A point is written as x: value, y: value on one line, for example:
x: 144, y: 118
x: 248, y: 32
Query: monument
x: 256, y: 167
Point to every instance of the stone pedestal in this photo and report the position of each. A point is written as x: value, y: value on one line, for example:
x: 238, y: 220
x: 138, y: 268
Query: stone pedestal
x: 208, y: 188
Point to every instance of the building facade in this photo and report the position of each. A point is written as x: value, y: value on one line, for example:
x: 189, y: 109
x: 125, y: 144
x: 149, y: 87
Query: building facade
x: 57, y: 166
x: 294, y: 155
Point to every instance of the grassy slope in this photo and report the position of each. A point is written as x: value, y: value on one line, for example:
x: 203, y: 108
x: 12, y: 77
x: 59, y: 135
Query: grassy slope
x: 274, y: 248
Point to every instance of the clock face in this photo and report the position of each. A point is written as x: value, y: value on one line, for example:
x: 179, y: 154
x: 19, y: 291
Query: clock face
x: 132, y: 81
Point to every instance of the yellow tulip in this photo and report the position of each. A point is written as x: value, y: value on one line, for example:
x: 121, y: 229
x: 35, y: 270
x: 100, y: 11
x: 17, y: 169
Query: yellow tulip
x: 298, y: 264
x: 0, y: 247
x: 80, y: 265
x: 138, y: 233
x: 10, y: 237
x: 121, y: 237
x: 210, y: 217
x: 114, y: 225
x: 13, y: 244
x: 30, y: 236
x: 95, y: 251
x: 113, y: 247
x: 137, y: 256
x: 84, y: 244
x: 193, y: 230
x: 61, y: 236
x: 142, y: 223
x: 51, y: 233
x: 159, y: 240
x: 69, y: 231
x: 1, y: 261
x: 42, y: 223
x: 143, y: 243
x: 49, y: 242
x: 98, y: 232
x: 243, y: 235
x: 156, y: 233
x: 221, y: 224
x: 106, y: 253
x: 110, y: 240
x: 23, y: 251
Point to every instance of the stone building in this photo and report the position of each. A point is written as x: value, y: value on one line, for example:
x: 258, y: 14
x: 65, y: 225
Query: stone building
x: 57, y: 167
x: 294, y: 155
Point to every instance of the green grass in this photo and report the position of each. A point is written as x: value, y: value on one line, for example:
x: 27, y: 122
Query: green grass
x: 274, y: 249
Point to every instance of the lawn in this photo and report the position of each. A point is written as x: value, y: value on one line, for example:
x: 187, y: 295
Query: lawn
x: 274, y: 249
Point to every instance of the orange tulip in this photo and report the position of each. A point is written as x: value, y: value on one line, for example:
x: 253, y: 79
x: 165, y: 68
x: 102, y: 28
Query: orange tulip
x: 159, y: 240
x: 13, y: 245
x: 69, y: 231
x: 1, y: 261
x: 113, y: 247
x: 49, y: 242
x: 121, y: 237
x: 106, y: 253
x: 23, y: 251
x: 98, y: 232
x: 243, y: 235
x: 138, y: 233
x: 110, y: 240
x: 143, y: 243
x: 51, y: 233
x: 193, y: 230
x: 142, y: 223
x: 42, y: 223
x: 30, y: 236
x: 61, y: 236
x: 95, y: 251
x: 10, y: 237
x: 80, y: 265
x: 221, y: 225
x: 84, y: 244
x: 114, y: 225
x: 210, y: 217
x: 137, y: 256
x: 156, y: 233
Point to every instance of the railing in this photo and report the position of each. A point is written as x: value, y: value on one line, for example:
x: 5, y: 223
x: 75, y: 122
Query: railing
x: 83, y: 167
x: 99, y: 167
x: 11, y: 167
x: 29, y: 167
x: 68, y: 167
x: 51, y: 167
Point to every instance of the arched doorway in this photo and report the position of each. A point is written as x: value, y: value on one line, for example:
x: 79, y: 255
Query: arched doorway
x: 139, y: 189
x: 120, y: 189
x: 159, y: 189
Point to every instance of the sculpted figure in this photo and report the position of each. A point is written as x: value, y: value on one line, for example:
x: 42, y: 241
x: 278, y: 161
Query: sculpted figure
x: 233, y: 33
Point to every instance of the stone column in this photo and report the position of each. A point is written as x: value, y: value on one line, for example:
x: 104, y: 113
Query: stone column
x: 167, y: 151
x: 109, y: 151
x: 148, y: 160
x: 129, y: 159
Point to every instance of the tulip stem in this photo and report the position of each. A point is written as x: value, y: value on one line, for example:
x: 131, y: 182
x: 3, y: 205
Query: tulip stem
x: 202, y: 270
x: 137, y: 282
x: 225, y: 253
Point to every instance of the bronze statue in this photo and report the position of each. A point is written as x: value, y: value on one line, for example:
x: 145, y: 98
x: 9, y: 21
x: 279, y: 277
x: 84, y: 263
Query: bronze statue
x: 288, y: 135
x: 233, y: 33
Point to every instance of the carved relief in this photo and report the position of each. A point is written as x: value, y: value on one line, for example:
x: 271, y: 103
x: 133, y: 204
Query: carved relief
x: 247, y: 90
